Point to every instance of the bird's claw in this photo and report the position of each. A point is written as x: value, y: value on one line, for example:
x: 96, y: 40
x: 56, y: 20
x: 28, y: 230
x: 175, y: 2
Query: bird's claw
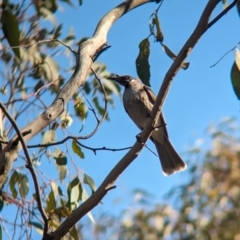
x: 138, y: 137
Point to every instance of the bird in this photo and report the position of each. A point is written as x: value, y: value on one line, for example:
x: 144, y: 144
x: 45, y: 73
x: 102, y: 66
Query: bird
x: 138, y: 101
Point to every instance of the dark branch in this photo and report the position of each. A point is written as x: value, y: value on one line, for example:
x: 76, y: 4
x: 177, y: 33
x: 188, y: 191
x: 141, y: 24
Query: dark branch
x: 227, y: 9
x: 29, y: 164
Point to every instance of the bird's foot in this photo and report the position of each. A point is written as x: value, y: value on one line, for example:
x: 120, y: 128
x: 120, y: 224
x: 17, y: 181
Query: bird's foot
x: 161, y: 125
x: 138, y: 137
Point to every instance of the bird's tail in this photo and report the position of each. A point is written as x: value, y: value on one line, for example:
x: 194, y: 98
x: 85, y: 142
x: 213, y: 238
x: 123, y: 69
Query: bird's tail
x: 170, y: 160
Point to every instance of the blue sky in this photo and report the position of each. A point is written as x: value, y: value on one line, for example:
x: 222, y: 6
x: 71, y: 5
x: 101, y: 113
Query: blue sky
x: 199, y: 96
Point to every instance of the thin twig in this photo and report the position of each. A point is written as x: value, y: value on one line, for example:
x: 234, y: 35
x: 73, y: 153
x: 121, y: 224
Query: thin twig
x: 29, y: 166
x: 102, y: 148
x: 224, y: 55
x: 151, y: 150
x: 44, y: 41
x: 91, y: 107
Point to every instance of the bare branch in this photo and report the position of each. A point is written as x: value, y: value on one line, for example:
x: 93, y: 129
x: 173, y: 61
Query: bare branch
x: 224, y: 55
x: 44, y: 41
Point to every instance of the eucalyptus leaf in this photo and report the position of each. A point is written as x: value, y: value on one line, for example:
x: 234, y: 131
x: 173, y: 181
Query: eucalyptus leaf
x: 142, y: 64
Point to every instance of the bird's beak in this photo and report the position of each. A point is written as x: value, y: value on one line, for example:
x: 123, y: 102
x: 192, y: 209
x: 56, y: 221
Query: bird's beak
x: 123, y: 80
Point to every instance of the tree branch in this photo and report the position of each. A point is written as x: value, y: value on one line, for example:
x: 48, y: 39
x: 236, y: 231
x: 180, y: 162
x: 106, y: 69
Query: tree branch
x: 29, y: 165
x: 227, y: 9
x: 83, y: 64
x: 97, y: 196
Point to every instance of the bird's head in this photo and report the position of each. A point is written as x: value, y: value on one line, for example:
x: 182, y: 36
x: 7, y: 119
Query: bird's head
x: 122, y: 80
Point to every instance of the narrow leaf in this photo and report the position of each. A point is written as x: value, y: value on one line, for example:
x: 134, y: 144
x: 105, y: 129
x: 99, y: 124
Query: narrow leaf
x: 159, y: 35
x: 225, y: 3
x: 55, y: 189
x: 142, y: 64
x: 23, y: 185
x: 170, y: 54
x: 61, y: 163
x: 51, y: 202
x: 1, y: 204
x: 235, y: 78
x: 84, y: 198
x: 36, y: 224
x: 88, y: 180
x: 48, y: 137
x: 80, y: 109
x: 74, y: 233
x: 73, y: 191
x: 12, y: 182
x: 11, y: 30
x: 77, y: 149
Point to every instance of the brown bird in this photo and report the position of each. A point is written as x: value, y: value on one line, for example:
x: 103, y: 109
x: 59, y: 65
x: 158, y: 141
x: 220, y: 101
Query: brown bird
x: 138, y: 101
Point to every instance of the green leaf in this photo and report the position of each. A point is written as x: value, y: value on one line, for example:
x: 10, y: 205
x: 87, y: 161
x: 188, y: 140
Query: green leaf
x: 51, y: 5
x: 88, y: 180
x: 74, y: 192
x: 62, y: 212
x: 1, y: 204
x: 23, y: 185
x: 80, y: 2
x: 97, y: 105
x: 12, y: 182
x: 235, y: 77
x: 77, y: 149
x: 112, y: 87
x: 84, y: 198
x: 74, y: 233
x: 57, y: 32
x: 51, y: 202
x: 225, y: 3
x: 142, y: 64
x: 170, y: 54
x: 80, y: 108
x: 36, y: 224
x: 11, y: 30
x: 48, y: 137
x: 159, y: 35
x: 38, y: 85
x: 68, y: 2
x: 1, y: 232
x: 55, y: 189
x: 235, y: 74
x: 60, y: 192
x: 51, y: 69
x: 61, y: 163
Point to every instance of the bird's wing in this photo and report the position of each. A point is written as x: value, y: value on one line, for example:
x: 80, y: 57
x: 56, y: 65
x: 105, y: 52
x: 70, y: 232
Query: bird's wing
x: 150, y: 93
x: 152, y: 99
x: 125, y: 108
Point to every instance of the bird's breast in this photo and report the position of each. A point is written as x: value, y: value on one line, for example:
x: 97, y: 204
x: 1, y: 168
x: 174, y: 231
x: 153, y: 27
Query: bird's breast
x: 137, y: 105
